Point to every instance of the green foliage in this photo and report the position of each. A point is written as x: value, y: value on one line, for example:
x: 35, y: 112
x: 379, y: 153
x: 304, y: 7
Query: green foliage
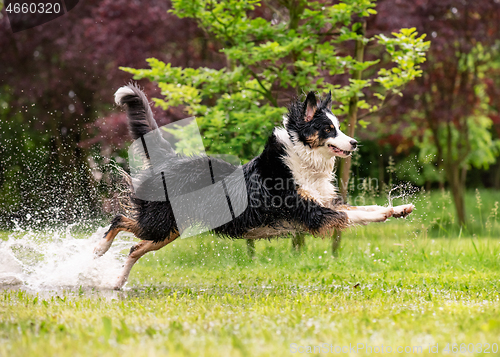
x: 473, y: 145
x: 296, y: 53
x: 21, y: 150
x: 407, y: 51
x: 419, y: 169
x: 482, y: 152
x: 462, y: 135
x: 483, y: 148
x: 34, y: 187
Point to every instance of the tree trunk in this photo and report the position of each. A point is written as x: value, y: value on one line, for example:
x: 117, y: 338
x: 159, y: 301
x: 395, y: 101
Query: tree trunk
x: 351, y: 125
x: 295, y: 10
x: 352, y: 118
x: 251, y: 248
x: 457, y: 186
x: 298, y: 242
x: 336, y: 238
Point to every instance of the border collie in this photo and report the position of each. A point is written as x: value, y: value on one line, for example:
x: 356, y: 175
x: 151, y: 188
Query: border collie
x: 302, y: 152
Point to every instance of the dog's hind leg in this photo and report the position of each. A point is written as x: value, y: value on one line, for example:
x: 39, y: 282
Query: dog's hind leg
x: 136, y: 252
x: 119, y: 223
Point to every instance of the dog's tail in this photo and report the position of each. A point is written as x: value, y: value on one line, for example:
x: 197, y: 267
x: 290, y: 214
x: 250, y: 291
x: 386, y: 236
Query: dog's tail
x: 140, y: 116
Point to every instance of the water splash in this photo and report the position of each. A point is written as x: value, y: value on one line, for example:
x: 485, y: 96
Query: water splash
x: 405, y: 192
x: 57, y: 259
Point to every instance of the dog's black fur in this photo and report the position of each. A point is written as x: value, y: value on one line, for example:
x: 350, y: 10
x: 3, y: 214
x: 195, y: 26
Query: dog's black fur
x: 155, y: 220
x: 288, y: 186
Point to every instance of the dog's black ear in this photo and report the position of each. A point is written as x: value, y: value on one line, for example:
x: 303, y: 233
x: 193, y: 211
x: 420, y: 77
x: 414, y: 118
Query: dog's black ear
x: 310, y: 106
x: 327, y: 102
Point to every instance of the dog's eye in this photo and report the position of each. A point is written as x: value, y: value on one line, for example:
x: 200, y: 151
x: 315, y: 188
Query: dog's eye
x: 327, y: 130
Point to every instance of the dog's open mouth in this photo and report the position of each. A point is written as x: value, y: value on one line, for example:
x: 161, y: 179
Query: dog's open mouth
x: 337, y: 151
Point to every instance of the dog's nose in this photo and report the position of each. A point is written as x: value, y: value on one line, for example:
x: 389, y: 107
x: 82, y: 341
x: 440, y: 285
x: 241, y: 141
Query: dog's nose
x: 354, y: 143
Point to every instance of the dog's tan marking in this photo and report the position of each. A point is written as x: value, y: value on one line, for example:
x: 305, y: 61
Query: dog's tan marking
x: 313, y: 140
x: 136, y: 252
x: 305, y: 194
x: 126, y: 224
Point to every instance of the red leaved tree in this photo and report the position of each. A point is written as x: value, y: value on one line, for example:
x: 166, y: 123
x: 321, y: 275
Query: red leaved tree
x: 448, y: 106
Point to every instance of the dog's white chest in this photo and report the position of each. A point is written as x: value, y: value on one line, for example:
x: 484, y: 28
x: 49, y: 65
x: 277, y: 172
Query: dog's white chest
x: 320, y: 190
x: 311, y: 170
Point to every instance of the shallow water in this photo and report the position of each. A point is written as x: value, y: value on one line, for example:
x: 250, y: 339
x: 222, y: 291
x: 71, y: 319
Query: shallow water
x: 55, y: 260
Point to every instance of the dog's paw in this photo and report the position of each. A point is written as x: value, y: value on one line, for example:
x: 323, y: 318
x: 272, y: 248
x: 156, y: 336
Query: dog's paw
x: 101, y: 248
x: 385, y: 213
x: 380, y: 215
x: 120, y: 282
x: 403, y: 210
x: 365, y: 217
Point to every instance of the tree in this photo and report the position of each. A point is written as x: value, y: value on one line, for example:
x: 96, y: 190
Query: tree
x: 447, y: 107
x: 57, y: 82
x: 276, y: 51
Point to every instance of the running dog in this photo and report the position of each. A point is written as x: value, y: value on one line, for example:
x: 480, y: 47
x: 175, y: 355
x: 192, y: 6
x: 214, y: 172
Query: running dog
x: 289, y: 186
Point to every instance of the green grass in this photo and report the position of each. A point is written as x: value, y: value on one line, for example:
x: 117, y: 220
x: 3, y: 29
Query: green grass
x: 400, y: 283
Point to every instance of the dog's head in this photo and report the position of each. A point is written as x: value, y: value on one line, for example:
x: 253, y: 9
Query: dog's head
x: 313, y: 124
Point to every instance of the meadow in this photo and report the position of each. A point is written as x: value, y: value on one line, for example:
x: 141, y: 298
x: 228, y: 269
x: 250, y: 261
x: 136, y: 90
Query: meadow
x: 414, y: 286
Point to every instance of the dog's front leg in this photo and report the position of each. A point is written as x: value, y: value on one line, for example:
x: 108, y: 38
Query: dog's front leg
x: 360, y: 208
x: 362, y: 216
x: 369, y: 214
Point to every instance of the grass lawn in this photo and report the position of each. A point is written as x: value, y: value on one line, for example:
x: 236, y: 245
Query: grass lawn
x: 400, y: 284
